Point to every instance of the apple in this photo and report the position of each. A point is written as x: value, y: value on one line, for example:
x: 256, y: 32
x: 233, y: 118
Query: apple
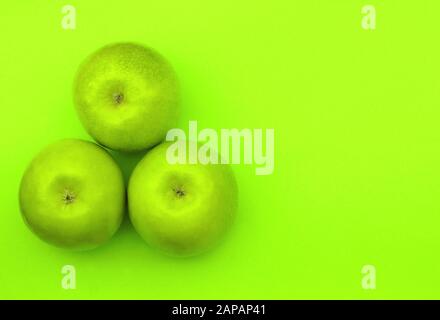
x: 181, y: 209
x: 126, y: 96
x: 72, y: 195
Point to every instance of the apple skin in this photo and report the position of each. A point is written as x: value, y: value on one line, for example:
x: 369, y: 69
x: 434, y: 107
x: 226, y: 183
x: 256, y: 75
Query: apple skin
x: 181, y: 209
x: 72, y: 195
x: 127, y: 96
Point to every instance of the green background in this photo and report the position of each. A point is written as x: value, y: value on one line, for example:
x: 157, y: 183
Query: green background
x: 357, y: 161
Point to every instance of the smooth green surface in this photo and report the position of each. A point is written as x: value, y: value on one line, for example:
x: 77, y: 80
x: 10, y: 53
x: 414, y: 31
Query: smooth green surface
x: 357, y: 165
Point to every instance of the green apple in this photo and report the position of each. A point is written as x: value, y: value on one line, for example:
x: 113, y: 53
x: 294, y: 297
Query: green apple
x: 126, y: 96
x: 182, y: 209
x: 72, y: 195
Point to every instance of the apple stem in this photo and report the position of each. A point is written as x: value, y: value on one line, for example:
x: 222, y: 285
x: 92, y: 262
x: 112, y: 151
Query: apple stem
x: 68, y: 197
x: 179, y: 192
x: 118, y: 98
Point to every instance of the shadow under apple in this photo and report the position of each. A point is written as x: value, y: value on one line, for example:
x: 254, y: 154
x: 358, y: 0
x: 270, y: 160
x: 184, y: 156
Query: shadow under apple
x: 127, y: 161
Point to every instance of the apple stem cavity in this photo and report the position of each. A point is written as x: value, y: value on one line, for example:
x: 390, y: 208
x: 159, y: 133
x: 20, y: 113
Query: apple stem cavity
x: 118, y: 97
x: 180, y: 193
x: 68, y: 197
